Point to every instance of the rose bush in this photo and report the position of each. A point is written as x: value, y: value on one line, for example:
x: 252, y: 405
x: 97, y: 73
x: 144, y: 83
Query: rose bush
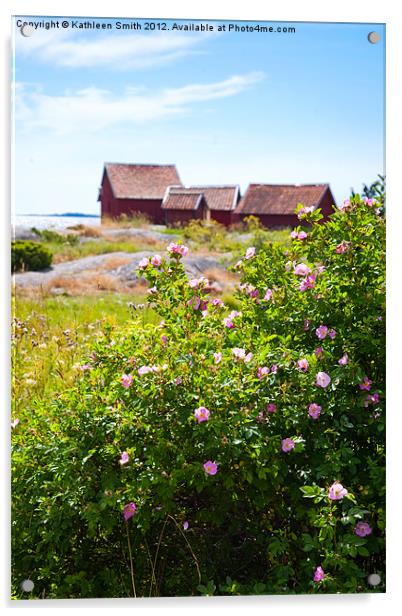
x: 221, y: 453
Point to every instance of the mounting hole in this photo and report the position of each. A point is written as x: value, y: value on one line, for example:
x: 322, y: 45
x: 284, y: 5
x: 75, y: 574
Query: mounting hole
x: 374, y: 579
x: 27, y: 30
x: 27, y: 585
x: 373, y: 37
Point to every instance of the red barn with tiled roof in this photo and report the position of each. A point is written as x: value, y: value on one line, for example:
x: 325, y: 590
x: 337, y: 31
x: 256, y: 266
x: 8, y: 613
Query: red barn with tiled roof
x: 274, y: 204
x: 221, y: 201
x: 131, y: 188
x: 184, y: 204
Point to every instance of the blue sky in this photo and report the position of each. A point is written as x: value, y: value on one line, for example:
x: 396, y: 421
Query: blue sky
x: 225, y: 107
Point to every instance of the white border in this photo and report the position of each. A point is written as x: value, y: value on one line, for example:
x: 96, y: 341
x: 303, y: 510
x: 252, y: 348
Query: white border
x: 366, y: 11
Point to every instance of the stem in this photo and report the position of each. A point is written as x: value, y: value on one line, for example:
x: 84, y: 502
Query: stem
x: 131, y: 561
x: 156, y: 554
x: 153, y: 581
x: 189, y: 547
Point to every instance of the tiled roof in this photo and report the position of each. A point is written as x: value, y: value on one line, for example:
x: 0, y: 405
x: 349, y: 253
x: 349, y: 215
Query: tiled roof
x: 279, y: 198
x: 182, y: 199
x: 141, y: 181
x: 220, y: 197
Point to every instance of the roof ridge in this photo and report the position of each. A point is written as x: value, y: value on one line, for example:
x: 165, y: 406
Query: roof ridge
x: 189, y: 191
x: 289, y: 185
x: 142, y: 164
x: 215, y: 186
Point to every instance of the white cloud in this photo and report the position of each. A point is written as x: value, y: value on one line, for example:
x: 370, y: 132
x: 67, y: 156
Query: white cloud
x: 93, y: 109
x: 134, y: 51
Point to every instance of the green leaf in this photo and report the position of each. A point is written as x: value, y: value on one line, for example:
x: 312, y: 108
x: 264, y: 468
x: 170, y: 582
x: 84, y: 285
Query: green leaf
x: 311, y: 491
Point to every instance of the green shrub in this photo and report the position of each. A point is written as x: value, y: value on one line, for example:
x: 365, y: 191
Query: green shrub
x: 210, y: 234
x: 252, y: 223
x: 56, y: 238
x: 27, y: 255
x: 246, y: 449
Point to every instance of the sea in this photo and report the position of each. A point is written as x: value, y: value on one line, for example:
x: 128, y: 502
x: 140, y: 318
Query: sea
x: 53, y: 222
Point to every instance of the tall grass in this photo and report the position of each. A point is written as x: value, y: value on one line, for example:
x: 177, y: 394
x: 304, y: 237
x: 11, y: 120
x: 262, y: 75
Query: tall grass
x: 65, y: 252
x: 52, y: 335
x: 135, y: 219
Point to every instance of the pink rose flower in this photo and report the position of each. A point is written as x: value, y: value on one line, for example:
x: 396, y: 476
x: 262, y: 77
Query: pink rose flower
x: 195, y: 283
x: 218, y: 302
x: 302, y: 365
x: 362, y: 529
x: 211, y: 468
x: 345, y: 205
x: 303, y: 211
x: 84, y: 367
x: 287, y: 445
x: 274, y: 368
x: 366, y: 384
x: 321, y: 332
x: 156, y: 260
x: 177, y: 249
x: 337, y: 491
x: 308, y: 283
x: 268, y: 295
x: 322, y: 379
x: 302, y: 269
x: 319, y: 352
x: 239, y: 353
x: 343, y: 360
x: 127, y: 380
x: 371, y: 399
x: 217, y: 357
x: 145, y: 370
x: 183, y: 251
x: 185, y: 525
x: 250, y: 252
x: 143, y: 264
x: 124, y: 458
x: 342, y: 247
x: 332, y: 334
x: 195, y: 303
x: 129, y: 510
x: 248, y: 358
x: 261, y: 372
x: 319, y: 574
x: 301, y: 235
x: 369, y: 202
x: 271, y: 407
x: 201, y: 414
x: 314, y: 410
x: 228, y: 323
